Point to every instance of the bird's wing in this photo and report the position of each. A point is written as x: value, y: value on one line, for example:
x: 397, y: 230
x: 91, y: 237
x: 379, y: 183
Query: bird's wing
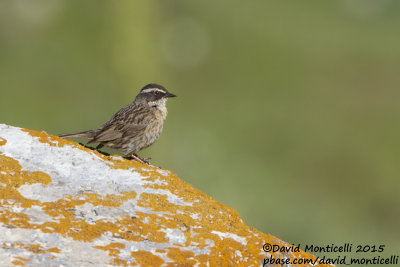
x: 128, y: 121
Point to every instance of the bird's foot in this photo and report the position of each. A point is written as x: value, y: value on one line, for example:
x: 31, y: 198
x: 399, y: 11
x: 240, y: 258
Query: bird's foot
x: 147, y: 160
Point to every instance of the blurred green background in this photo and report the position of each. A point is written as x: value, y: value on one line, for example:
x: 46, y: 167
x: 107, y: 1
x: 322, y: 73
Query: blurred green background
x: 287, y: 111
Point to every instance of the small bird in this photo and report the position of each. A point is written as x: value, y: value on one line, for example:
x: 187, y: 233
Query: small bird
x: 135, y: 126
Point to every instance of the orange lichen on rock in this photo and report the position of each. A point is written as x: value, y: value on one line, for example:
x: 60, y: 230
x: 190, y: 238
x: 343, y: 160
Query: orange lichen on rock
x: 46, y: 138
x: 34, y: 248
x: 18, y: 263
x: 112, y: 248
x: 186, y: 258
x: 123, y: 212
x: 23, y: 259
x: 145, y: 258
x: 2, y: 141
x: 11, y: 178
x: 119, y: 163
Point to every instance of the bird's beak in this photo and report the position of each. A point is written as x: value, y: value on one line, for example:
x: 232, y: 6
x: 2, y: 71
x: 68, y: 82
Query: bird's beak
x: 170, y: 95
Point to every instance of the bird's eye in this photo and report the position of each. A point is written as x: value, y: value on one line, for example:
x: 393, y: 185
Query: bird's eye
x: 158, y: 92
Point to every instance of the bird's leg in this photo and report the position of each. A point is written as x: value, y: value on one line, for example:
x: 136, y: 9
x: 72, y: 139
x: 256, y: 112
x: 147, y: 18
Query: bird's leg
x: 82, y: 144
x: 99, y: 146
x: 96, y: 148
x: 137, y: 158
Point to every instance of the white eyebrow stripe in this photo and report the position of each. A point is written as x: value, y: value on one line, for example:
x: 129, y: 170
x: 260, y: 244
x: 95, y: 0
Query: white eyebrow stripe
x: 152, y: 90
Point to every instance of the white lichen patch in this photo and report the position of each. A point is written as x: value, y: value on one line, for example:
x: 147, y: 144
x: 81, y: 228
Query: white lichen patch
x: 231, y: 235
x: 175, y: 236
x: 91, y: 213
x: 195, y: 216
x: 37, y: 215
x: 163, y: 172
x: 25, y: 242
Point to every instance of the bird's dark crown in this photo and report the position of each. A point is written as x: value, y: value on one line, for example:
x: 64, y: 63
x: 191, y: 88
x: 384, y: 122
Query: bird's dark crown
x: 154, y: 86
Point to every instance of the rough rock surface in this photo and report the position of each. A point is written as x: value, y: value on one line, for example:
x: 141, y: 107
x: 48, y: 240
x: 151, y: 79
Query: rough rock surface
x: 65, y: 205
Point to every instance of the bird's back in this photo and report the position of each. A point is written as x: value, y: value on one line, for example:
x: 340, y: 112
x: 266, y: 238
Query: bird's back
x: 133, y: 128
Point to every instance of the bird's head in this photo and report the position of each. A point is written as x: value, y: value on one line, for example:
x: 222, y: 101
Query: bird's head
x: 154, y: 95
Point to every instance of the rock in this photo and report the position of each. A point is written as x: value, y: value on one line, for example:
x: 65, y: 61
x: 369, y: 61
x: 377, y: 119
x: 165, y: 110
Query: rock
x: 62, y: 204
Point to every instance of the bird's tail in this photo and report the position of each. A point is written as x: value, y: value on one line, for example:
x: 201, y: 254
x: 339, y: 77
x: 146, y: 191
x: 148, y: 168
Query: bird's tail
x: 85, y: 134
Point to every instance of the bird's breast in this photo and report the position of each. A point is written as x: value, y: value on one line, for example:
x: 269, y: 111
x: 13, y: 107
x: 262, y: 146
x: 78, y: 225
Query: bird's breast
x: 161, y: 112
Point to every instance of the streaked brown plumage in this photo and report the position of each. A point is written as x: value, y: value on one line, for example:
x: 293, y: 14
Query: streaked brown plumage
x: 135, y: 126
